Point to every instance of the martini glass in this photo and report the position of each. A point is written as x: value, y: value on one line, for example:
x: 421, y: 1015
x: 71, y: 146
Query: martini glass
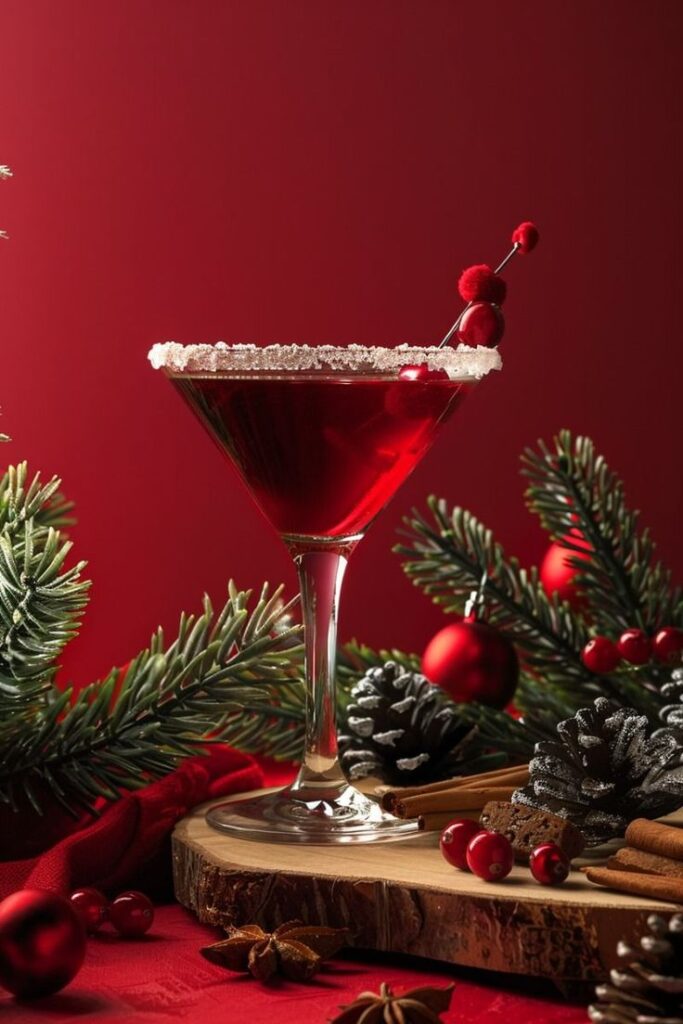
x: 322, y: 437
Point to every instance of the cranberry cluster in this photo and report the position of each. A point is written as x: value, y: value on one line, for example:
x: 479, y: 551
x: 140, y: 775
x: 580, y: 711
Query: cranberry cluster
x: 489, y: 855
x: 130, y: 913
x: 602, y: 655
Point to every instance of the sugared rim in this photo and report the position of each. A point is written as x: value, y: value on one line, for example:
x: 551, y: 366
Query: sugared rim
x: 461, y: 362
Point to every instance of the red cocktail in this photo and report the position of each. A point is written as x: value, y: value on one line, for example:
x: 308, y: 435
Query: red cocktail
x: 322, y: 437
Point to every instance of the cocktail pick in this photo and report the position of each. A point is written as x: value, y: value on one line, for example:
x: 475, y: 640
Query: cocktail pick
x: 479, y: 282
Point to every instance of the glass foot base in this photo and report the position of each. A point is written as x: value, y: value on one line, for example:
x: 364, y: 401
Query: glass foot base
x: 319, y: 819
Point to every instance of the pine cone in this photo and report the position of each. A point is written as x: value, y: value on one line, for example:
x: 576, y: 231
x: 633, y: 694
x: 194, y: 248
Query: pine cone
x: 649, y: 989
x: 402, y: 729
x: 672, y: 714
x: 605, y: 769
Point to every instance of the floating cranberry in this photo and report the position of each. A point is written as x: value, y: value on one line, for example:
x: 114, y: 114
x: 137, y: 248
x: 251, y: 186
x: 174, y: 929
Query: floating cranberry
x: 481, y: 284
x: 421, y: 373
x: 635, y: 646
x: 668, y: 644
x: 92, y: 907
x: 482, y: 324
x: 549, y: 864
x: 525, y: 236
x: 132, y: 914
x: 489, y: 856
x: 455, y: 839
x: 600, y: 655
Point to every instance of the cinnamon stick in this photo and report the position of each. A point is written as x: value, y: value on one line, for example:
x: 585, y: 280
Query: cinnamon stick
x: 630, y: 859
x: 438, y: 821
x: 512, y: 775
x: 456, y: 799
x: 653, y: 837
x: 653, y: 886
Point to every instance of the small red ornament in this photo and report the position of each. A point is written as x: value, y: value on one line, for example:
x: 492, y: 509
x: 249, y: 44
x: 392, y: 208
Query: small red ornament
x: 482, y: 323
x: 525, y: 236
x: 549, y: 864
x: 421, y: 373
x: 455, y: 839
x: 490, y: 856
x: 668, y: 644
x: 481, y: 284
x: 472, y: 661
x: 42, y: 943
x: 600, y: 655
x: 92, y: 907
x: 132, y: 914
x: 558, y: 574
x: 635, y: 646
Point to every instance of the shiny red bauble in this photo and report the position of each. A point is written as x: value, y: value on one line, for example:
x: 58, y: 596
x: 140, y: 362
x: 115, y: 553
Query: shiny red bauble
x: 92, y: 907
x: 490, y: 856
x: 635, y: 646
x: 42, y: 943
x: 526, y: 236
x: 549, y: 864
x: 558, y: 574
x: 132, y: 914
x: 668, y: 644
x: 600, y: 655
x: 455, y: 839
x: 482, y: 323
x: 481, y: 284
x: 421, y: 373
x: 472, y: 661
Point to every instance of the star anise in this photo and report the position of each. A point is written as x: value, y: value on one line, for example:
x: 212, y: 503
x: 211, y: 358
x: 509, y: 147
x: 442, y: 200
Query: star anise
x: 294, y: 950
x: 417, y: 1006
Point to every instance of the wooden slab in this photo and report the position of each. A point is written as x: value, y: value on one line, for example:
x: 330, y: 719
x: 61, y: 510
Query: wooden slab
x: 403, y: 897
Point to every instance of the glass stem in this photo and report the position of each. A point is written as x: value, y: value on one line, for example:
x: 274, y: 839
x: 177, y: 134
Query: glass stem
x: 320, y: 578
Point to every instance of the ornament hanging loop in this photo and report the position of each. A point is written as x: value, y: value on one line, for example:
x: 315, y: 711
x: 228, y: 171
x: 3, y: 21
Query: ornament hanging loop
x: 475, y: 602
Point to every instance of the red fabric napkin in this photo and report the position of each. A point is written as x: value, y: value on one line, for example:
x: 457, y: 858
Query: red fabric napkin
x: 128, y: 845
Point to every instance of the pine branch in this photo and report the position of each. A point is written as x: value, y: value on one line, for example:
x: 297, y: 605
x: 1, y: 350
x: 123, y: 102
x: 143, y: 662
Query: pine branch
x: 571, y: 488
x: 123, y: 732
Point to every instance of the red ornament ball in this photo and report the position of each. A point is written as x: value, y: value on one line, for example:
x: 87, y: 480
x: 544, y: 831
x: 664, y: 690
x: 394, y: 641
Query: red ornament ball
x: 549, y: 864
x: 472, y: 661
x: 92, y: 907
x: 490, y: 856
x: 480, y: 284
x: 42, y: 943
x: 482, y: 324
x: 526, y: 236
x: 421, y: 373
x: 455, y: 839
x: 132, y: 914
x: 668, y: 644
x: 635, y: 646
x: 600, y: 655
x: 557, y: 572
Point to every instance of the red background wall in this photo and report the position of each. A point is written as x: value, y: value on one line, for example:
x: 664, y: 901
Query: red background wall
x: 317, y: 171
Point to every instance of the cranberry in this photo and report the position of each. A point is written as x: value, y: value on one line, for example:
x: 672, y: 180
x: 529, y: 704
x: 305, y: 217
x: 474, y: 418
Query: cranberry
x: 482, y: 324
x: 421, y: 373
x: 454, y: 841
x: 668, y: 644
x: 132, y: 914
x: 600, y: 655
x: 635, y: 646
x: 489, y: 856
x: 91, y: 906
x: 549, y: 864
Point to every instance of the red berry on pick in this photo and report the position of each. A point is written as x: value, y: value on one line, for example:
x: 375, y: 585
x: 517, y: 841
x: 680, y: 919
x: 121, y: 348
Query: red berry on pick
x: 132, y: 914
x: 668, y: 644
x: 421, y: 373
x: 455, y: 839
x: 480, y: 284
x: 635, y: 646
x: 600, y: 655
x: 482, y: 324
x: 526, y: 236
x: 91, y: 906
x: 489, y: 856
x: 549, y: 864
